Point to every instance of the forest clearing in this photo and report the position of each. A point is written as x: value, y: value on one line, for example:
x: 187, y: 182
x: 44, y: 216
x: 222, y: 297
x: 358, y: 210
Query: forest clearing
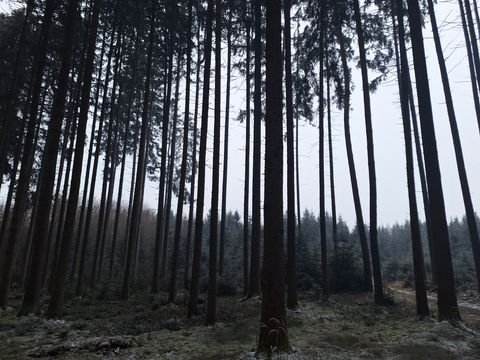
x: 344, y: 327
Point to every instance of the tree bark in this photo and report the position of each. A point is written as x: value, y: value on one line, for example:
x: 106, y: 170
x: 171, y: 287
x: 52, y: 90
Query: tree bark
x: 197, y: 245
x: 273, y: 332
x: 447, y: 300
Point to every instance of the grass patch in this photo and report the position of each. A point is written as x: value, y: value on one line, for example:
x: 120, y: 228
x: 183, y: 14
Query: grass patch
x: 423, y: 351
x: 239, y: 333
x: 340, y: 340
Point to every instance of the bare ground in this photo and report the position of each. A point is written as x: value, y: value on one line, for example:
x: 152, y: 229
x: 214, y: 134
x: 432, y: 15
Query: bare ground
x: 345, y: 327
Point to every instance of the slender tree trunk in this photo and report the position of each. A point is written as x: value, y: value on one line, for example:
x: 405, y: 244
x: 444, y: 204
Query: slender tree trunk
x: 292, y: 296
x: 473, y: 39
x: 197, y: 245
x: 171, y: 169
x: 273, y: 332
x: 254, y: 283
x: 321, y: 157
x: 471, y: 65
x: 225, y: 148
x: 367, y: 272
x: 83, y: 207
x: 8, y: 115
x: 212, y: 259
x: 246, y: 192
x: 447, y: 300
x: 377, y: 272
x: 61, y: 218
x: 142, y: 159
x: 172, y: 285
x: 111, y: 155
x: 331, y: 165
x: 462, y: 173
x: 417, y: 249
x: 163, y: 175
x: 13, y: 181
x: 101, y: 120
x: 188, y: 246
x: 18, y: 214
x: 55, y: 306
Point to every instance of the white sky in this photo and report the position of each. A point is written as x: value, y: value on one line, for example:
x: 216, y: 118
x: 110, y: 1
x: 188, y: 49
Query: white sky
x: 389, y: 142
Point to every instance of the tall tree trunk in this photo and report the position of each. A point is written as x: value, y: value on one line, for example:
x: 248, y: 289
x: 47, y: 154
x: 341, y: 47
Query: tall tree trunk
x: 142, y: 159
x: 8, y: 115
x: 292, y: 296
x: 473, y: 39
x: 61, y: 218
x: 462, y: 173
x: 172, y: 284
x: 55, y: 306
x: 171, y: 169
x: 212, y: 259
x: 197, y: 245
x: 417, y: 249
x: 102, y: 212
x: 254, y: 283
x: 111, y: 154
x: 225, y: 146
x: 331, y: 165
x: 273, y: 332
x: 447, y: 299
x: 101, y: 120
x: 83, y: 206
x: 246, y: 192
x: 188, y: 246
x: 372, y: 177
x: 18, y: 214
x: 367, y: 272
x: 321, y: 156
x: 163, y: 175
x: 471, y: 65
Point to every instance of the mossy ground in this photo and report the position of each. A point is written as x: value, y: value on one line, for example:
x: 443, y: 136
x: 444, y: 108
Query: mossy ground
x: 345, y: 327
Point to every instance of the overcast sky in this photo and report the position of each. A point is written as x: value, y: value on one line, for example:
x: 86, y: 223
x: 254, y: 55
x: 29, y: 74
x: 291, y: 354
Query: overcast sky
x: 389, y: 142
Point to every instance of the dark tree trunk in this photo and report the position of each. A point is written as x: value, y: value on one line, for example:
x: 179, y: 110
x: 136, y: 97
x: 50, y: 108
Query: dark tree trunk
x: 447, y: 299
x: 471, y: 65
x: 171, y: 169
x: 188, y: 245
x: 8, y: 115
x: 89, y: 211
x: 273, y: 332
x: 197, y: 245
x: 367, y: 272
x: 372, y: 177
x: 83, y: 206
x: 61, y: 217
x: 246, y: 193
x: 417, y: 250
x: 18, y: 214
x: 462, y: 173
x: 292, y: 296
x: 172, y: 285
x: 473, y: 39
x: 212, y: 259
x: 321, y: 157
x: 163, y: 175
x: 225, y: 147
x: 142, y: 159
x: 254, y: 283
x: 55, y: 306
x: 331, y: 165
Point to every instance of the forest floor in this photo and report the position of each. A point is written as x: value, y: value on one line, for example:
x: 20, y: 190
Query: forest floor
x: 345, y: 327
